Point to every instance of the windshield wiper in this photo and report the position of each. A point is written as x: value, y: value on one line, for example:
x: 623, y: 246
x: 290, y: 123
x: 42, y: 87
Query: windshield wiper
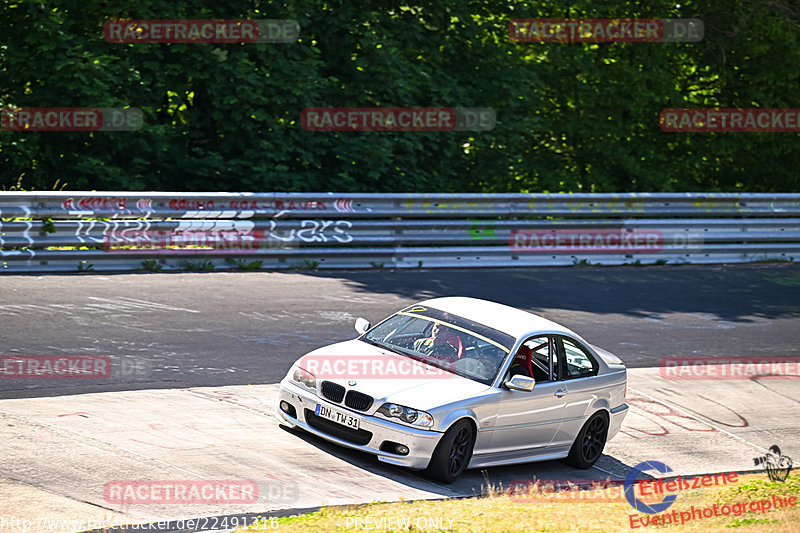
x: 379, y: 344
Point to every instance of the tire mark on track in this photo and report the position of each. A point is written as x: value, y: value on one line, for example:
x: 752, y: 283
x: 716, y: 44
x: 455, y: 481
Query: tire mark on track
x: 692, y: 416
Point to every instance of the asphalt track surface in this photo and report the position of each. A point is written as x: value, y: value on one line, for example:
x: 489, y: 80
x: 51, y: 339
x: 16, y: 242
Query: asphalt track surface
x: 198, y: 357
x: 214, y: 329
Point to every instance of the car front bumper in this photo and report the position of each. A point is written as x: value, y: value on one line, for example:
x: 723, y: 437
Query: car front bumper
x: 420, y: 442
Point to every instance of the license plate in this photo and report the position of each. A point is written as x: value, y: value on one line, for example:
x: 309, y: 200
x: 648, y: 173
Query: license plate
x: 337, y: 416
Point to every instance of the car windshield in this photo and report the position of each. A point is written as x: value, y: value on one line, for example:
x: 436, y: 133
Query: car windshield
x: 444, y: 340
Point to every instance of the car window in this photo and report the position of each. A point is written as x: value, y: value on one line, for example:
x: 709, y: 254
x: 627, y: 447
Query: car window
x: 447, y: 341
x: 578, y: 362
x: 534, y: 358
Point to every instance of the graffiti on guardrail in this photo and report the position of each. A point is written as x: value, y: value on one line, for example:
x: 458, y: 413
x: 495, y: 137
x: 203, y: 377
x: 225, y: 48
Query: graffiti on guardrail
x: 306, y: 206
x: 481, y: 230
x: 219, y: 236
x: 314, y: 230
x: 434, y: 206
x: 47, y: 231
x: 86, y: 205
x: 173, y: 241
x: 190, y: 205
x: 26, y: 234
x: 93, y: 203
x: 94, y: 231
x: 343, y: 205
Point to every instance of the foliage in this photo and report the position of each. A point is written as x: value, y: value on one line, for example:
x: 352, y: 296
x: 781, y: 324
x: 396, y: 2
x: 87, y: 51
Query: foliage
x: 305, y: 264
x: 200, y: 265
x: 85, y: 266
x: 47, y: 226
x: 152, y: 265
x: 760, y: 489
x: 241, y: 264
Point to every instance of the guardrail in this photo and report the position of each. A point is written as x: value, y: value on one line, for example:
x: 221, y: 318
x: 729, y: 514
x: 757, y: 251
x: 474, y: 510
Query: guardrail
x: 69, y: 231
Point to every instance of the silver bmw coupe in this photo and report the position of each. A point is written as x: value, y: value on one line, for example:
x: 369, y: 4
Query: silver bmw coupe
x: 455, y: 383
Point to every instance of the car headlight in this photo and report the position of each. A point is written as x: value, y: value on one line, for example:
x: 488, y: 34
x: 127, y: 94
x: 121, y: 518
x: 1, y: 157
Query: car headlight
x: 304, y: 377
x: 407, y: 415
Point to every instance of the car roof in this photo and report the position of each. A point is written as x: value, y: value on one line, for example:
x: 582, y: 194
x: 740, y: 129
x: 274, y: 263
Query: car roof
x: 515, y: 322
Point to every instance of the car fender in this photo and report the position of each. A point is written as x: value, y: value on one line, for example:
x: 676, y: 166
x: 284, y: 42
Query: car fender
x: 599, y: 404
x: 454, y: 416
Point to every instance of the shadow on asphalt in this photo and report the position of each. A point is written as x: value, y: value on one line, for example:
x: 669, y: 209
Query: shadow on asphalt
x: 730, y: 292
x: 229, y: 328
x: 473, y: 482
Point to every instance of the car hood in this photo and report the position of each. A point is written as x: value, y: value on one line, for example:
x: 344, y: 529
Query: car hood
x: 425, y: 392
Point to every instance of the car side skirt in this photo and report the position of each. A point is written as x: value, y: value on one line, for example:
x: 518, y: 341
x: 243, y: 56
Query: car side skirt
x: 512, y: 458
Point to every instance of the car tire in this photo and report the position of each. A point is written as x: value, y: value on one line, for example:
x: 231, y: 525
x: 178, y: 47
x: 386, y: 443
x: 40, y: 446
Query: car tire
x: 453, y: 453
x: 589, y: 444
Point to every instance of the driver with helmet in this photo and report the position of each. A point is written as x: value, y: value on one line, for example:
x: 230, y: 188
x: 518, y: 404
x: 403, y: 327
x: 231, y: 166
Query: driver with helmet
x: 437, y: 344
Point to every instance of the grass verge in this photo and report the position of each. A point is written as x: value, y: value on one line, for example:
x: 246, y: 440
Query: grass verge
x: 500, y: 512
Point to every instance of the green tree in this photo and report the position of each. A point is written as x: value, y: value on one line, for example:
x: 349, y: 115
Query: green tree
x: 570, y: 117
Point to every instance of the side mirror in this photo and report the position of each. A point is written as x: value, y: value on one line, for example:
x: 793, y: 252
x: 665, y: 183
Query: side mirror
x: 362, y: 325
x: 520, y: 383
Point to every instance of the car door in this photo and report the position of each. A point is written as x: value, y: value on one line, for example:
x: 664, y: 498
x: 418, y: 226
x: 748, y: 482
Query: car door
x: 578, y: 380
x: 529, y: 420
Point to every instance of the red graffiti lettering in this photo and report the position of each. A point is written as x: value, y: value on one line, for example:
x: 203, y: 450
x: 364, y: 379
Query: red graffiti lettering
x: 282, y: 206
x: 245, y: 205
x: 95, y: 203
x: 190, y: 205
